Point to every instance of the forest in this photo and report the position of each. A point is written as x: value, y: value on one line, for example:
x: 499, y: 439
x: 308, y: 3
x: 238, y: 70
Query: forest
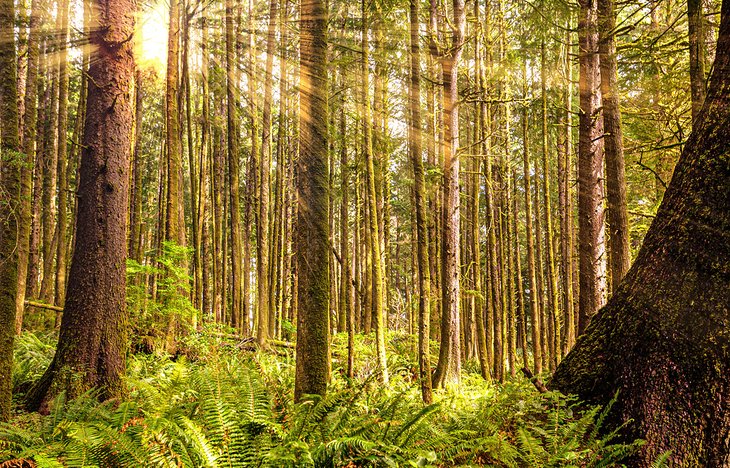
x: 322, y: 233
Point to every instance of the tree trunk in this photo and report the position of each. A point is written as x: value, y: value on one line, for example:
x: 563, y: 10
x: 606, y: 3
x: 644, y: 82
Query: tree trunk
x: 92, y: 344
x: 174, y: 230
x: 312, y: 232
x: 449, y: 365
x: 565, y: 206
x: 552, y: 313
x: 62, y: 158
x: 378, y: 280
x: 618, y: 218
x: 661, y: 341
x: 30, y: 116
x: 421, y: 232
x: 10, y: 185
x: 531, y: 264
x: 234, y: 206
x: 265, y: 320
x: 591, y: 248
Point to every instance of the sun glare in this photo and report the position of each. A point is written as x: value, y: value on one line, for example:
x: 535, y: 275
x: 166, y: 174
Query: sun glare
x: 151, y: 49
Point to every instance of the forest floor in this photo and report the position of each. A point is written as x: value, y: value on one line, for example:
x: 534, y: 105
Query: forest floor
x: 221, y: 404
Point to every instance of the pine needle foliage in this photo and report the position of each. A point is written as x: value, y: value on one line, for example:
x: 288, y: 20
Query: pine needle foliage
x: 232, y: 408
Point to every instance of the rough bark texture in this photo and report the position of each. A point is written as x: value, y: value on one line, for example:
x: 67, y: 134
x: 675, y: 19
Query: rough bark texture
x: 618, y: 218
x: 662, y: 341
x: 449, y: 365
x: 312, y: 231
x: 591, y: 231
x: 10, y: 164
x: 92, y: 343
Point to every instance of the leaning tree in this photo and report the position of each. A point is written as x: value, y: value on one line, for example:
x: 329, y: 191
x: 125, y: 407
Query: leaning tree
x: 663, y: 340
x: 92, y: 340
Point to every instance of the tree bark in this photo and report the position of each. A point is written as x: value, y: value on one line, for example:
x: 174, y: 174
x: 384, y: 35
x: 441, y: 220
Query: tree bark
x: 618, y: 218
x: 662, y: 340
x: 93, y: 338
x: 62, y: 158
x: 531, y: 264
x: 10, y: 185
x: 449, y: 365
x: 378, y: 280
x: 263, y: 331
x: 591, y: 231
x: 30, y: 116
x: 312, y: 232
x: 421, y: 232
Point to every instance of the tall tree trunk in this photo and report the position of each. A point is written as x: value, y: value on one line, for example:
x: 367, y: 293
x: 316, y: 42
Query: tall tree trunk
x: 174, y: 230
x: 312, y: 232
x: 233, y: 178
x: 553, y: 312
x: 30, y: 116
x: 10, y: 185
x: 529, y: 235
x: 591, y: 231
x: 378, y: 280
x: 265, y: 319
x: 49, y: 172
x: 421, y: 231
x: 449, y: 365
x: 92, y: 344
x: 565, y: 207
x: 61, y: 246
x: 661, y: 341
x: 618, y: 218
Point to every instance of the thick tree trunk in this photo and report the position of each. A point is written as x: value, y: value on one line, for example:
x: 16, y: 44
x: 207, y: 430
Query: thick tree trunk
x: 11, y: 162
x: 662, y: 340
x: 92, y: 344
x: 312, y: 232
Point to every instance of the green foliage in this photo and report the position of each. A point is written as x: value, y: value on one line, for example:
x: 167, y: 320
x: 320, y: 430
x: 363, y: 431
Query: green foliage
x: 232, y: 408
x: 33, y: 354
x: 151, y: 315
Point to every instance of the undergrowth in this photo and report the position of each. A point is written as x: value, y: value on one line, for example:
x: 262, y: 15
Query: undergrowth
x: 229, y: 408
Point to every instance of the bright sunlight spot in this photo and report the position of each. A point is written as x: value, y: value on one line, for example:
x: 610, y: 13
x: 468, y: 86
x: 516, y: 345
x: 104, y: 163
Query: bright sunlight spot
x: 151, y: 48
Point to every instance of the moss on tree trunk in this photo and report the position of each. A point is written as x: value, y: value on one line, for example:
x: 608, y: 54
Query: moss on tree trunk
x: 663, y: 341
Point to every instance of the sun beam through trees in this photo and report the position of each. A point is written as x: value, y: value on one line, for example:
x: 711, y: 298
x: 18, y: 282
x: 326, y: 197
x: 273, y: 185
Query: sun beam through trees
x: 385, y: 232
